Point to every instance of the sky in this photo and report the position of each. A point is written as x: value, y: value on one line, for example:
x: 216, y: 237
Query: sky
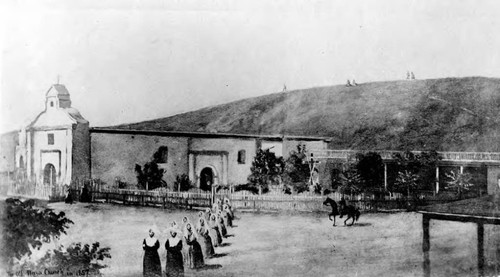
x: 127, y: 61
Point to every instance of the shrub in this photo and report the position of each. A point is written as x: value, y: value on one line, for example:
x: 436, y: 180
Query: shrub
x: 150, y: 176
x: 246, y: 187
x: 26, y: 226
x: 76, y: 258
x: 182, y: 183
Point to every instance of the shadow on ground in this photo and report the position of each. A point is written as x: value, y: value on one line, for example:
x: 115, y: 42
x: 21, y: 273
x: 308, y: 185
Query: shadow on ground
x: 219, y: 255
x: 210, y: 267
x: 361, y: 224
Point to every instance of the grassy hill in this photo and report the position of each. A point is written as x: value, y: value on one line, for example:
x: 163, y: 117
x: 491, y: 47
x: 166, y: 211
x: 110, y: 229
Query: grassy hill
x: 451, y: 114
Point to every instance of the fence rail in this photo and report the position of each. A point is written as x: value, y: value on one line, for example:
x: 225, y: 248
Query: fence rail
x: 38, y: 191
x: 388, y: 155
x: 246, y: 200
x: 55, y: 192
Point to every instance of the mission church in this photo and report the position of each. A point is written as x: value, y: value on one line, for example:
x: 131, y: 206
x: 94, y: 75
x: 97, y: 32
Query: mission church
x: 59, y: 148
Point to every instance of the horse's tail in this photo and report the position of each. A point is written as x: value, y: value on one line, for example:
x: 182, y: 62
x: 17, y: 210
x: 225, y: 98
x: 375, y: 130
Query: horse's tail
x: 358, y: 214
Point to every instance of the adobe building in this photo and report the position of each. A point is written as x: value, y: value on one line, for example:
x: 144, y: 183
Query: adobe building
x: 207, y: 158
x: 54, y: 149
x: 58, y: 148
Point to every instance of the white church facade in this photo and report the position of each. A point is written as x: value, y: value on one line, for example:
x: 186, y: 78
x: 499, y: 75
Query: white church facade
x: 54, y: 149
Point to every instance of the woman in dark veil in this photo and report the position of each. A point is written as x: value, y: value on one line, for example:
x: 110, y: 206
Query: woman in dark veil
x: 173, y: 245
x: 227, y: 215
x: 215, y: 231
x: 151, y: 262
x: 194, y: 249
x: 222, y: 225
x: 204, y: 239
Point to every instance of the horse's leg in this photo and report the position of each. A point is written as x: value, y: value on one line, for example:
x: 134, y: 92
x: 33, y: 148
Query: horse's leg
x: 345, y: 221
x: 353, y: 218
x: 334, y: 220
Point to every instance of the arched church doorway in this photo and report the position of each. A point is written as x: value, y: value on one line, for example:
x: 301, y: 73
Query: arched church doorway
x: 21, y: 172
x: 49, y: 175
x: 206, y: 179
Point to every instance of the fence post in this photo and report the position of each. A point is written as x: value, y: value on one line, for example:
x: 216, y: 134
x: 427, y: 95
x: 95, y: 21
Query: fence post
x: 426, y: 245
x: 212, y: 197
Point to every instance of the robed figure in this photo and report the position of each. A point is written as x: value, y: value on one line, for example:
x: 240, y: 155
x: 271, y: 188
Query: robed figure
x: 151, y: 263
x: 175, y: 265
x: 204, y: 239
x: 195, y: 254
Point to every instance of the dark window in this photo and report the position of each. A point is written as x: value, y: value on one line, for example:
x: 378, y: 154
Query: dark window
x: 161, y: 156
x: 50, y: 138
x: 241, y: 156
x: 51, y: 104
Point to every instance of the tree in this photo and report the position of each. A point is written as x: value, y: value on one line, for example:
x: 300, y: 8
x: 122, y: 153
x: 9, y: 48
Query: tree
x: 266, y: 169
x: 297, y: 170
x: 26, y: 226
x: 427, y: 171
x: 151, y: 176
x: 347, y: 180
x: 423, y: 165
x: 459, y: 181
x: 351, y: 183
x: 407, y: 180
x: 406, y: 161
x: 370, y: 167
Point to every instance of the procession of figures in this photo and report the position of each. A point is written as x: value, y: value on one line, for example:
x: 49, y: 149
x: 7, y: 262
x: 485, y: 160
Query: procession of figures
x: 190, y: 244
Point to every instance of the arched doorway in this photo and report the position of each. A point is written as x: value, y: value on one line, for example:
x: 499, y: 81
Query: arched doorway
x: 21, y: 171
x: 206, y: 179
x: 49, y: 175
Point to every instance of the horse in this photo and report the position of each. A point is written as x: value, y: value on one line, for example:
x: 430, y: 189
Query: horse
x: 335, y: 210
x: 351, y: 212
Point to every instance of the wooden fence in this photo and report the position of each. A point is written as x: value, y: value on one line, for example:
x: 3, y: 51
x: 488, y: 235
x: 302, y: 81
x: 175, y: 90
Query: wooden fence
x: 36, y: 191
x: 55, y: 192
x: 245, y: 200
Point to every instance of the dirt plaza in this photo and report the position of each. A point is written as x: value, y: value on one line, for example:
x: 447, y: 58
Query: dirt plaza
x: 306, y: 244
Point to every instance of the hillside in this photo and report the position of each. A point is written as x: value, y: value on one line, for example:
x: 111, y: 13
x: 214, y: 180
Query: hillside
x: 451, y: 114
